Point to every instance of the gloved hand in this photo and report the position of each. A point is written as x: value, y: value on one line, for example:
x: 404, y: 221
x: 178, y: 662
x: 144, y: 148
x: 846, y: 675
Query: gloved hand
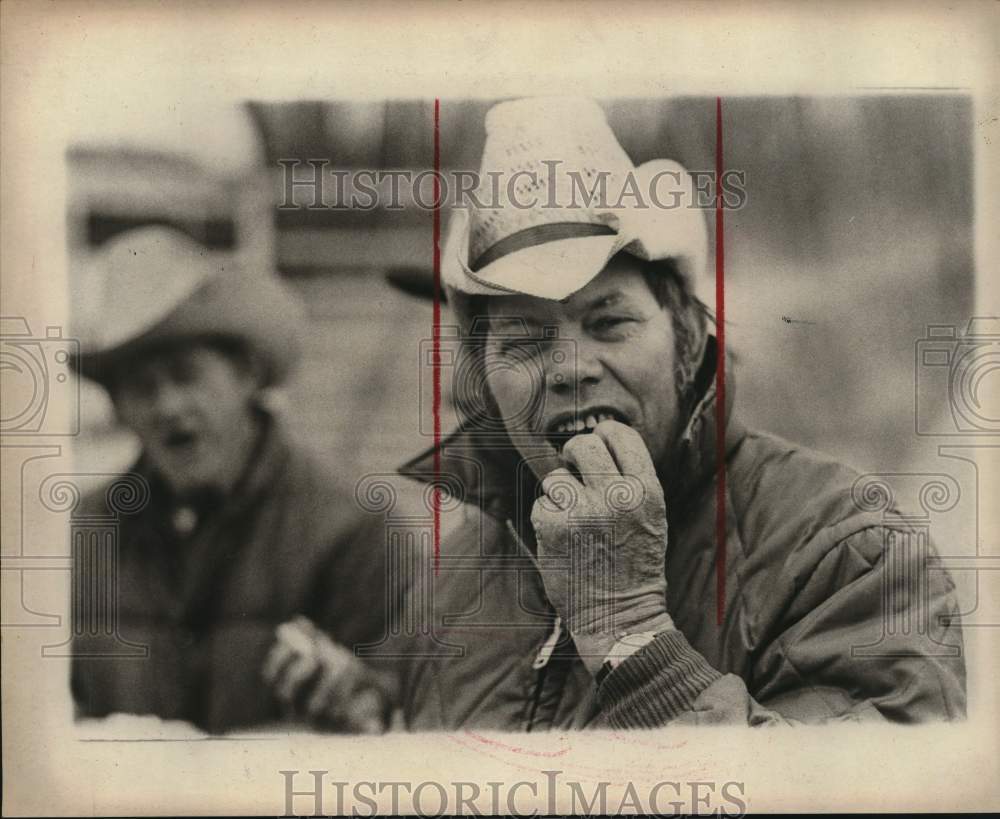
x: 319, y: 680
x: 607, y: 582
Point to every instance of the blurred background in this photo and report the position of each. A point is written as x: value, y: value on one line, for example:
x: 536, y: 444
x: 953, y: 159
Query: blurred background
x: 855, y: 236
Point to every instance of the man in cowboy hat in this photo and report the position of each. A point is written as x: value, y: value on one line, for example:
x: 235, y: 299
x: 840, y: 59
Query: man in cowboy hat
x: 586, y: 593
x: 247, y: 575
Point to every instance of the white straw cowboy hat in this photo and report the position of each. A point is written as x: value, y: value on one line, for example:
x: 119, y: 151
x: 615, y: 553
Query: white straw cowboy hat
x: 552, y: 151
x: 160, y: 287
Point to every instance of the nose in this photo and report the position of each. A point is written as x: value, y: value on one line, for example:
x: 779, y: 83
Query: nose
x: 167, y: 401
x: 572, y: 367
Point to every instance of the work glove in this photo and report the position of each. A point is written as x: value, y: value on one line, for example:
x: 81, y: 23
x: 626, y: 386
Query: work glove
x: 601, y: 528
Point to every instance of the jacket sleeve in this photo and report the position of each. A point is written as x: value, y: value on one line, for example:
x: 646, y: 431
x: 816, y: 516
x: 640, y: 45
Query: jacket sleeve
x: 350, y: 595
x: 354, y: 595
x: 83, y: 705
x: 871, y: 632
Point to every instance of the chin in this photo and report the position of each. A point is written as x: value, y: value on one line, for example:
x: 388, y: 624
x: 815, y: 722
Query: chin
x: 185, y: 479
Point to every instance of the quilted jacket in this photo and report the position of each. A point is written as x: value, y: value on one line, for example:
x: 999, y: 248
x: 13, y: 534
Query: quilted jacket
x: 203, y: 606
x: 832, y: 609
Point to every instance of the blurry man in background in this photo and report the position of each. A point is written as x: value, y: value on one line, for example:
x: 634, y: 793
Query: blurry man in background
x: 599, y: 366
x: 248, y: 574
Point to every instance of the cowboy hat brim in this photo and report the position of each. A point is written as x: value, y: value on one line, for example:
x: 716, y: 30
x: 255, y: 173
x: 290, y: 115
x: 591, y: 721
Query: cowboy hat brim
x: 528, y: 271
x: 557, y: 269
x: 256, y: 311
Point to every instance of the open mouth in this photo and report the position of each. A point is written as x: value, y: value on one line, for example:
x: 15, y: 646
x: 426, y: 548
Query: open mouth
x: 568, y: 425
x: 180, y: 439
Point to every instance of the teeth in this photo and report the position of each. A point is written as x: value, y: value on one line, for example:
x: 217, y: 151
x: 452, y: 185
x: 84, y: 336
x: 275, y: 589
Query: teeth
x: 575, y: 425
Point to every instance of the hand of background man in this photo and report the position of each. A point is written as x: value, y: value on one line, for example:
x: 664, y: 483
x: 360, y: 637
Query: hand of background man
x: 317, y: 679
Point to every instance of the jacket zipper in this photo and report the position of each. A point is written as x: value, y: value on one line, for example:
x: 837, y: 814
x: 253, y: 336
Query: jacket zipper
x: 540, y: 665
x: 545, y: 652
x: 541, y: 661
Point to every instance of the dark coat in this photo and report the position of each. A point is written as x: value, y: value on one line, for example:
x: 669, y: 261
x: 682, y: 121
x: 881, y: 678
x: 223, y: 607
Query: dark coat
x: 819, y: 623
x: 287, y: 541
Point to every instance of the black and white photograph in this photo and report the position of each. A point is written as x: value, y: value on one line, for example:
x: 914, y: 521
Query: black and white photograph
x: 413, y: 441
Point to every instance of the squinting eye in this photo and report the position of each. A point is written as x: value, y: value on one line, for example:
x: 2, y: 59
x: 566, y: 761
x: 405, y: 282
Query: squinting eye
x: 610, y: 322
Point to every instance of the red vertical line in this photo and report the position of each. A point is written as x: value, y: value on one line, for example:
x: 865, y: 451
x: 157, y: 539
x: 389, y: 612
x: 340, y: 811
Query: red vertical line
x: 720, y: 378
x: 436, y: 343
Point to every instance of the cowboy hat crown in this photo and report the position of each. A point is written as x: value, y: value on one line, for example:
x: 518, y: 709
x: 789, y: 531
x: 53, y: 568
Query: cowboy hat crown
x: 158, y: 287
x: 565, y: 199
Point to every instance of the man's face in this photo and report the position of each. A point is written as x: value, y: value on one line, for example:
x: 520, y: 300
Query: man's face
x: 620, y: 363
x: 190, y: 407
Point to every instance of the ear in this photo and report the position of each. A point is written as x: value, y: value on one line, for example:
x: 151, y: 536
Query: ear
x: 111, y: 380
x: 113, y: 394
x: 112, y: 384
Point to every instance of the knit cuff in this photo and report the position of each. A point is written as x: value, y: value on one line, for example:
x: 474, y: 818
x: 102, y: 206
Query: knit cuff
x: 656, y: 684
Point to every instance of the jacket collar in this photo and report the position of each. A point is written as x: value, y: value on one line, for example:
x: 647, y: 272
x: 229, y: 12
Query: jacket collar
x: 496, y: 478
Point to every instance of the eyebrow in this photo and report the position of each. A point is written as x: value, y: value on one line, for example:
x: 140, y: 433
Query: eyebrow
x: 605, y: 300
